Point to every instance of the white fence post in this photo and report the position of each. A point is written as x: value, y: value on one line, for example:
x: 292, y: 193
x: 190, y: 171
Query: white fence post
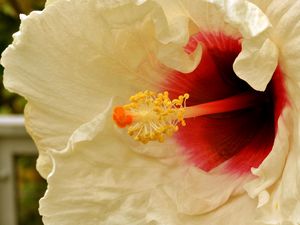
x: 13, y: 141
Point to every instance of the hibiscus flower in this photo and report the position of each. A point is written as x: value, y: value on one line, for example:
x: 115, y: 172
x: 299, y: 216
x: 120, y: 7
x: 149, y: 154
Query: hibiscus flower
x: 209, y: 91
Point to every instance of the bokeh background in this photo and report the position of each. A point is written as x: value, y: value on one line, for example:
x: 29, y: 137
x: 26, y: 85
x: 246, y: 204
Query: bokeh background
x: 30, y: 187
x: 9, y: 24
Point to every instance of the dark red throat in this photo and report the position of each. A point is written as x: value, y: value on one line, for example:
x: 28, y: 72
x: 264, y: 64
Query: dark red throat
x: 242, y: 138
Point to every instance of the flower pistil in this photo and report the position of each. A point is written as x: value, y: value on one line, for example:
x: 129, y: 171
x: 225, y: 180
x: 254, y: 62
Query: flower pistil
x: 152, y: 116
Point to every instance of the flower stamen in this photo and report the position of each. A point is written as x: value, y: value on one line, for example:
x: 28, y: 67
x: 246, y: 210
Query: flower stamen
x: 153, y: 116
x: 150, y: 116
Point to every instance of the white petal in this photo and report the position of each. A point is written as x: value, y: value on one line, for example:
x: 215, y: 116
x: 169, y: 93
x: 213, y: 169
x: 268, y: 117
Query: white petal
x: 208, y: 16
x: 102, y: 181
x: 249, y: 19
x: 257, y: 62
x: 215, y: 15
x: 197, y: 193
x: 70, y: 59
x: 271, y: 168
x: 279, y: 173
x: 240, y: 18
x: 285, y: 33
x: 285, y: 20
x: 239, y: 210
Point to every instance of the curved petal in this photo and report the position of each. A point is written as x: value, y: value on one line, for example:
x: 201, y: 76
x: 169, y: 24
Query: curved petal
x: 257, y: 62
x: 76, y: 52
x: 118, y: 186
x: 197, y: 193
x: 277, y: 185
x: 208, y: 16
x: 244, y: 15
x: 238, y: 211
x: 240, y: 18
x: 286, y: 34
x: 271, y: 169
x: 112, y: 183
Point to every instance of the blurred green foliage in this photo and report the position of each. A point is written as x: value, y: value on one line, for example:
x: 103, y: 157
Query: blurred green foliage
x: 30, y: 188
x: 9, y: 24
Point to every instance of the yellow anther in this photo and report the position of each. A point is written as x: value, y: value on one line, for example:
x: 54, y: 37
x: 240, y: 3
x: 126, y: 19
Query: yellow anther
x: 154, y: 116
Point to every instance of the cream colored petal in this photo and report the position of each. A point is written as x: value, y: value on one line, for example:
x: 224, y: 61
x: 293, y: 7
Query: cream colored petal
x: 239, y: 210
x: 208, y: 16
x: 271, y: 168
x: 98, y: 179
x: 257, y: 62
x: 197, y: 193
x: 285, y: 19
x: 240, y: 18
x: 182, y: 62
x: 48, y: 2
x: 277, y: 185
x: 70, y: 59
x: 283, y: 206
x: 259, y: 56
x: 178, y: 19
x: 279, y: 174
x: 227, y: 16
x: 249, y: 19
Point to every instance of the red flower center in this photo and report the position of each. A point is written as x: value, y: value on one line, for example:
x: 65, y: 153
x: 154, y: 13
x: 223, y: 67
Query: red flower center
x: 241, y: 138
